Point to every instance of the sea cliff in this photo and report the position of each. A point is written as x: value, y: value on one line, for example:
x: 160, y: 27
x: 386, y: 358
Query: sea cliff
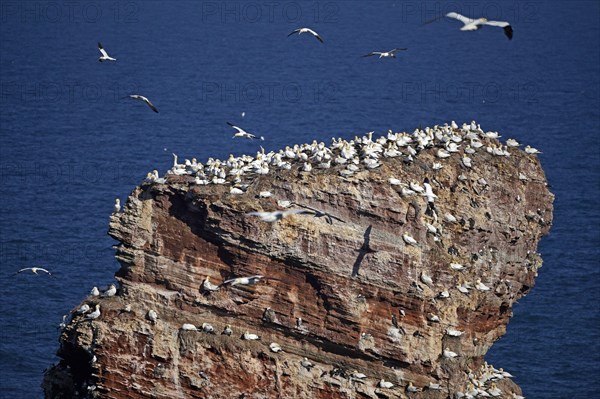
x: 373, y: 305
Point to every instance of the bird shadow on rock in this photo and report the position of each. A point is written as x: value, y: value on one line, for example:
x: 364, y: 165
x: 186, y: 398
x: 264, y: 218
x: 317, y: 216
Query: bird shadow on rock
x: 363, y: 251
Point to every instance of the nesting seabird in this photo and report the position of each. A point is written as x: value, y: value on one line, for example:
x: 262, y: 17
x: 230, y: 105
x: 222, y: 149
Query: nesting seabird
x: 144, y: 99
x: 243, y: 280
x: 95, y: 314
x: 250, y: 337
x: 358, y: 375
x: 474, y: 24
x: 95, y: 291
x: 207, y: 328
x: 408, y: 239
x: 385, y: 384
x: 227, y: 330
x: 242, y: 133
x: 83, y: 309
x: 152, y: 316
x: 275, y: 347
x: 531, y: 150
x: 449, y: 354
x: 189, y: 327
x: 34, y: 270
x: 117, y: 207
x: 207, y: 286
x: 104, y: 56
x: 111, y: 291
x: 306, y: 364
x: 307, y: 30
x: 385, y: 54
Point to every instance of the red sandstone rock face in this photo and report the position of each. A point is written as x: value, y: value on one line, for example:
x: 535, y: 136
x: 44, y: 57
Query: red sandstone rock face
x: 345, y: 280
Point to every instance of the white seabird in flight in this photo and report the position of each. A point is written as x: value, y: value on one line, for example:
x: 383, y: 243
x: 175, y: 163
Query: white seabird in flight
x: 144, y: 99
x: 35, y: 270
x: 474, y: 24
x: 306, y: 30
x: 243, y: 280
x: 278, y: 215
x: 242, y: 133
x: 104, y: 56
x: 385, y: 54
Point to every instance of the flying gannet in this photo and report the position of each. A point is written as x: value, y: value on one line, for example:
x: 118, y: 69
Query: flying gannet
x: 34, y: 270
x: 144, y: 99
x: 385, y: 54
x: 104, y: 56
x: 243, y: 280
x: 242, y: 133
x: 306, y: 30
x: 278, y: 215
x: 474, y: 24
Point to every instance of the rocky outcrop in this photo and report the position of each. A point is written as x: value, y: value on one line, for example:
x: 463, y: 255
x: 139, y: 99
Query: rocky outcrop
x: 360, y: 289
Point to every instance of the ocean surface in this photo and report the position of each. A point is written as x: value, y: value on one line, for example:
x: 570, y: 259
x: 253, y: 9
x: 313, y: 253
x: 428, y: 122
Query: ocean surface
x: 70, y: 144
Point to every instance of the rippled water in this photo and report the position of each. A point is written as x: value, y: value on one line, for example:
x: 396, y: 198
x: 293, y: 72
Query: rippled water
x: 70, y: 144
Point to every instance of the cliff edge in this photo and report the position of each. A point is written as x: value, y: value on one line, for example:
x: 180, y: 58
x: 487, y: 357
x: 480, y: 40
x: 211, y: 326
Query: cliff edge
x: 390, y: 268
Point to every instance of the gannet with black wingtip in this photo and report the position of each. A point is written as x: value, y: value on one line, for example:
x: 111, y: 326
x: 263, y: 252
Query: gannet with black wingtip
x: 34, y: 270
x: 531, y: 150
x: 207, y: 328
x: 227, y: 330
x: 243, y: 280
x: 242, y: 133
x: 104, y: 56
x: 474, y: 24
x: 385, y: 54
x: 144, y: 99
x: 408, y: 239
x: 307, y: 30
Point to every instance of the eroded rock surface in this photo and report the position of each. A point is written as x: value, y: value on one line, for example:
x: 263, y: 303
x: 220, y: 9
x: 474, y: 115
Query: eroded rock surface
x: 357, y: 286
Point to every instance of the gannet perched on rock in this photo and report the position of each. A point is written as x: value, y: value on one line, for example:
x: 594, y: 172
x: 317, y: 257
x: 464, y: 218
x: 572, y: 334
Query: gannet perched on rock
x: 408, y: 239
x: 83, y: 309
x: 250, y: 337
x: 275, y: 348
x: 306, y: 363
x: 448, y: 354
x: 152, y: 316
x: 426, y: 278
x: 357, y: 375
x: 111, y: 291
x: 385, y: 384
x: 243, y: 280
x: 306, y: 30
x: 95, y: 314
x: 104, y: 56
x: 189, y: 327
x: 480, y: 286
x: 531, y: 150
x: 227, y: 330
x: 207, y: 286
x: 117, y: 207
x: 94, y: 291
x: 207, y: 328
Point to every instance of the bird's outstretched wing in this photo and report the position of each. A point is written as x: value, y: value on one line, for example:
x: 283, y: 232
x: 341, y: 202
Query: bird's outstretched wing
x: 461, y: 18
x: 397, y: 49
x: 104, y: 53
x: 294, y: 31
x: 508, y: 31
x: 371, y: 53
x: 152, y: 107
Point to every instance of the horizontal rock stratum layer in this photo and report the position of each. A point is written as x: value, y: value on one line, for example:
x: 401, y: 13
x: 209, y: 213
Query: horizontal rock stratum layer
x: 346, y: 278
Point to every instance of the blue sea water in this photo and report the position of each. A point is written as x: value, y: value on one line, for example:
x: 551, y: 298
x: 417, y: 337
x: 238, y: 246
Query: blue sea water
x: 70, y: 144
